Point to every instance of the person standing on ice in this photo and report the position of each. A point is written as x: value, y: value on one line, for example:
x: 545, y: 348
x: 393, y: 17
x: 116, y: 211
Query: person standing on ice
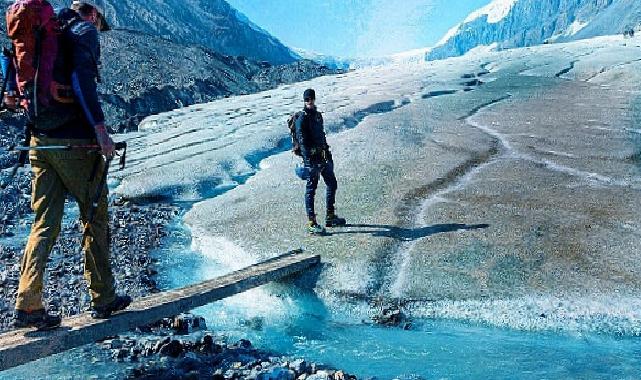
x: 318, y: 162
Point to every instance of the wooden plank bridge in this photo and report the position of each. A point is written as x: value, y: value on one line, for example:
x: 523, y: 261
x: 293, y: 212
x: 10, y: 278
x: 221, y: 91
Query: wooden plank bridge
x: 22, y: 346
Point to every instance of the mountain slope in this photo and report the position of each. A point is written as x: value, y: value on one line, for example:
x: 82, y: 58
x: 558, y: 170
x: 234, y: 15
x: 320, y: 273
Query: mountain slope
x: 210, y: 23
x: 520, y: 23
x: 621, y: 15
x: 143, y: 74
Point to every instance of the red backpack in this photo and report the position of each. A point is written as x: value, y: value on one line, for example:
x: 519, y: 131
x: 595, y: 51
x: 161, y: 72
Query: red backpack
x: 33, y: 28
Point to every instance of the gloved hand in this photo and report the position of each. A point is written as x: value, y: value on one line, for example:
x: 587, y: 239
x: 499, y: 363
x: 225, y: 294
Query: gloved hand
x: 105, y: 141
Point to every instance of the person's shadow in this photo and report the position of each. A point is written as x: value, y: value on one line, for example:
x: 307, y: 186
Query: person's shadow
x: 408, y: 234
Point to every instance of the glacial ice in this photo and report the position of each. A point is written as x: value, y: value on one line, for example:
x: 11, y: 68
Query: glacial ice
x: 204, y: 150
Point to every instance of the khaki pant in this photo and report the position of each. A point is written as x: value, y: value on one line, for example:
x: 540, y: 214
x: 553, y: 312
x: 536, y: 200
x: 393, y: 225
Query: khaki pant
x: 56, y: 173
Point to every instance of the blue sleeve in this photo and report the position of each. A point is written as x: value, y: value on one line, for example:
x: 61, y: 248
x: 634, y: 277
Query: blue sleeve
x: 86, y: 55
x: 300, y: 136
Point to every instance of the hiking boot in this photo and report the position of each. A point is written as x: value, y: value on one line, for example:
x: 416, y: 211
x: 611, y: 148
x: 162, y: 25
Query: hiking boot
x: 333, y: 220
x: 39, y: 319
x: 314, y: 228
x: 103, y: 312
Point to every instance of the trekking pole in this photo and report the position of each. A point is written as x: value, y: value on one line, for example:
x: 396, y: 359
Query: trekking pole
x: 103, y: 180
x: 52, y: 147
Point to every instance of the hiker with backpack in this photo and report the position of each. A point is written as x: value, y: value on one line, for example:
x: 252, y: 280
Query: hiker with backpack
x: 309, y: 142
x: 56, y: 59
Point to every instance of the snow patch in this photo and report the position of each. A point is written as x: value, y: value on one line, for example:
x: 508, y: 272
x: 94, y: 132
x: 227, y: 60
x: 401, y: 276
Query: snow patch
x: 483, y: 49
x: 411, y: 56
x: 575, y: 28
x: 495, y: 11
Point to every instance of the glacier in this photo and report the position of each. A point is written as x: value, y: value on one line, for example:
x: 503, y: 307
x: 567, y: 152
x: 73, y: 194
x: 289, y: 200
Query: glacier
x: 495, y: 187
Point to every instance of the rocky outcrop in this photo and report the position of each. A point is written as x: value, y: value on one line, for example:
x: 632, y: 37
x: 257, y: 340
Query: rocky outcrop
x: 210, y: 23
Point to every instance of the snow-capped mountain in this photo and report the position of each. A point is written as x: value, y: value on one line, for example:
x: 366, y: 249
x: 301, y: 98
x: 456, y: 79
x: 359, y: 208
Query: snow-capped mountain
x: 519, y: 23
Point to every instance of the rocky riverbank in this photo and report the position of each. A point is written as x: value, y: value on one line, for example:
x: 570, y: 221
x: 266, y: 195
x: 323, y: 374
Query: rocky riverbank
x: 135, y: 231
x: 183, y: 348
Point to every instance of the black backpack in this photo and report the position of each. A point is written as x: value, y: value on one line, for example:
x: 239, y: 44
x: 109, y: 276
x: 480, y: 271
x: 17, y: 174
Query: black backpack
x: 291, y: 124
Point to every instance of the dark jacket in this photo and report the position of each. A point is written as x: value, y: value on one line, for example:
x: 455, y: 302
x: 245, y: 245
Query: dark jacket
x: 77, y: 66
x: 310, y: 133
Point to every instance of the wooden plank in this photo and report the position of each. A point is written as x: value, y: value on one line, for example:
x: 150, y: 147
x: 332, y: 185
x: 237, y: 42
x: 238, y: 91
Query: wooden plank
x: 22, y: 346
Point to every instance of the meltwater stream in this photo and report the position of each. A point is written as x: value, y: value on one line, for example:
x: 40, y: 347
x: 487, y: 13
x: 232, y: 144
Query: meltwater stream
x: 296, y: 322
x: 286, y: 320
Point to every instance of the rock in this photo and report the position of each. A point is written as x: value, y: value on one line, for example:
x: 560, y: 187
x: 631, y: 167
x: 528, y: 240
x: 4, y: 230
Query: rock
x: 161, y: 343
x: 244, y: 343
x: 191, y: 355
x: 188, y: 323
x: 120, y: 354
x: 299, y: 366
x: 321, y: 375
x: 172, y: 349
x: 188, y: 364
x: 113, y: 344
x: 136, y: 372
x: 340, y: 375
x: 278, y: 373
